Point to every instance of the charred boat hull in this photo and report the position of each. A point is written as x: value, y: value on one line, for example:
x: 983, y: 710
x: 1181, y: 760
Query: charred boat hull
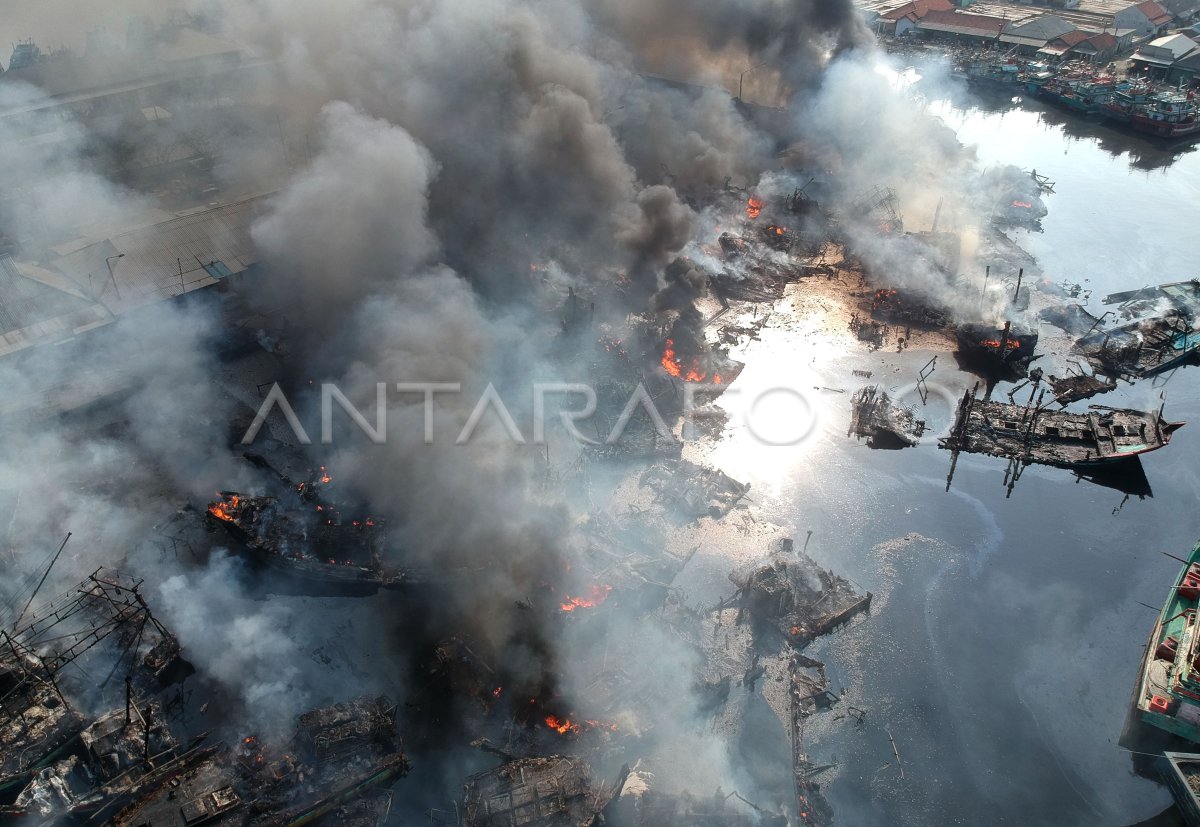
x: 1103, y: 438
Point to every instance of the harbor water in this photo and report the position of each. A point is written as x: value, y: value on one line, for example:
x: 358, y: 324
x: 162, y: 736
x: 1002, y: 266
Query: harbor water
x: 1002, y: 646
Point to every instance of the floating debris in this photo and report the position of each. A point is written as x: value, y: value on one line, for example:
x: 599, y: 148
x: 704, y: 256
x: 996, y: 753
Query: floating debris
x: 797, y: 597
x: 692, y: 490
x: 1082, y: 386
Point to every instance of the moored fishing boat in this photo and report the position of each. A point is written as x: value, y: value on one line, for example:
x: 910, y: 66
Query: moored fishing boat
x: 1089, y: 94
x: 1166, y: 696
x: 1170, y: 114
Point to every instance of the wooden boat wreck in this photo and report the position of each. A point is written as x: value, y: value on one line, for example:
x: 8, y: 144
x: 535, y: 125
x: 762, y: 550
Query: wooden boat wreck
x: 1143, y: 348
x: 307, y: 542
x: 341, y: 755
x: 1030, y: 434
x: 998, y: 352
x: 882, y: 422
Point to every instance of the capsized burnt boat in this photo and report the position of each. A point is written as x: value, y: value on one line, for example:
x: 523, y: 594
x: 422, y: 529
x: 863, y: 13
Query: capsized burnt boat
x: 882, y: 422
x: 1032, y: 434
x: 1166, y: 696
x: 307, y: 541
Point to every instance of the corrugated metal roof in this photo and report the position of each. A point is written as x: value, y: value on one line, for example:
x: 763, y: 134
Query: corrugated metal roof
x: 172, y: 257
x: 959, y: 23
x: 34, y: 309
x: 1044, y: 28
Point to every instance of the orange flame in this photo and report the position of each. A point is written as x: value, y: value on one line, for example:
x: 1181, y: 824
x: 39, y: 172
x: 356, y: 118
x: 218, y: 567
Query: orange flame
x: 1013, y: 344
x: 673, y: 365
x: 563, y: 726
x: 596, y: 595
x: 224, y: 509
x: 1025, y: 205
x: 754, y: 207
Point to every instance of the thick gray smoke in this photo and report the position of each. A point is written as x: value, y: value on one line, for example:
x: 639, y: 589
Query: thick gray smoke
x: 441, y: 156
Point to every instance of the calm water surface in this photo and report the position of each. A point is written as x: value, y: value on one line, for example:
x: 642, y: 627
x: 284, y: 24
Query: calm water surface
x: 1006, y: 633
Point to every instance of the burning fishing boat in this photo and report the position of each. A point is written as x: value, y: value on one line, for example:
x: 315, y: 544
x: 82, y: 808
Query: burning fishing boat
x: 711, y: 368
x: 1166, y: 695
x: 55, y: 761
x: 881, y: 421
x: 1032, y: 434
x: 308, y: 542
x: 998, y: 353
x: 903, y: 307
x: 340, y: 755
x: 36, y: 724
x: 114, y: 755
x: 1163, y: 332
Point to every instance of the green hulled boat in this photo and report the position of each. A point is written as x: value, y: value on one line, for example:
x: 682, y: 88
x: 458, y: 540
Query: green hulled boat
x: 1167, y: 694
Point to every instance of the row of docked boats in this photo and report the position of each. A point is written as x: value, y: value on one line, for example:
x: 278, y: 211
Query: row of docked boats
x: 1139, y: 103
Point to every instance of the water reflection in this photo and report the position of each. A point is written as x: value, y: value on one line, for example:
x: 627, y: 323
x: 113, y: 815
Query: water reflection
x: 1144, y: 152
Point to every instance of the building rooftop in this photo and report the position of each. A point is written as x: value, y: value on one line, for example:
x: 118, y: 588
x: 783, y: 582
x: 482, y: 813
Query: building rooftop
x: 1155, y: 13
x: 1181, y: 8
x: 65, y: 78
x: 41, y: 305
x: 961, y: 22
x: 918, y: 9
x: 1166, y: 49
x: 1044, y: 28
x: 167, y: 258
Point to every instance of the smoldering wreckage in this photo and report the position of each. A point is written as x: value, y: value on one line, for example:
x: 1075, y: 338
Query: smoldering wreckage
x: 109, y: 717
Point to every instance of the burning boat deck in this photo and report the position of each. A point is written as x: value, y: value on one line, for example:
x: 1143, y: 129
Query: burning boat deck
x: 340, y: 754
x: 1000, y: 353
x: 307, y: 541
